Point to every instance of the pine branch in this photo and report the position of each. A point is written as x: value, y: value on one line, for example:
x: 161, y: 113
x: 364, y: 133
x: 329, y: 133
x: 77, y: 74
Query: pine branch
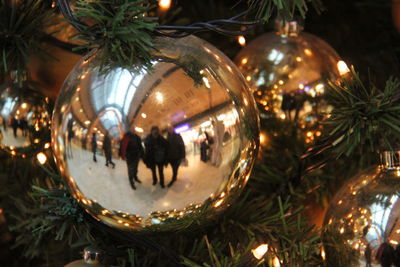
x: 286, y: 8
x: 22, y: 25
x: 120, y: 29
x: 364, y: 117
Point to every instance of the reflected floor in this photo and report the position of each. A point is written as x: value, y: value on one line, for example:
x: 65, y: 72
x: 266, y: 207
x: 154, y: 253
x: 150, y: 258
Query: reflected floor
x: 10, y: 140
x: 111, y: 188
x: 362, y: 263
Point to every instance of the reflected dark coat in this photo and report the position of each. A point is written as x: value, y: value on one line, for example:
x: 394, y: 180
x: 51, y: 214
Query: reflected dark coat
x: 131, y: 146
x: 156, y: 150
x: 107, y: 145
x: 176, y: 147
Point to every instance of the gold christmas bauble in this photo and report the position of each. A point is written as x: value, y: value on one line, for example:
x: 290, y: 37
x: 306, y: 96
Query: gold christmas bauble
x: 91, y: 258
x: 363, y: 220
x: 288, y: 71
x: 158, y: 149
x: 24, y: 120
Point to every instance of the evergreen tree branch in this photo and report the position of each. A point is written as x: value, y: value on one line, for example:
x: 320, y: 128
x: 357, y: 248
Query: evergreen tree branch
x: 364, y: 117
x: 120, y: 29
x: 22, y: 27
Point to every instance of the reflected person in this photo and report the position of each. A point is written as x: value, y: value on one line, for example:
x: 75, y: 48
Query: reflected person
x: 204, y: 148
x: 14, y: 125
x: 94, y: 146
x: 23, y: 123
x: 219, y: 129
x: 385, y: 255
x: 71, y: 134
x: 176, y: 152
x: 108, y: 150
x: 132, y: 151
x: 156, y: 152
x: 4, y: 124
x: 368, y: 255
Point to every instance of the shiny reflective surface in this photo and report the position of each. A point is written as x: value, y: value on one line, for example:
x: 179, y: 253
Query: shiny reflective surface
x: 288, y: 73
x: 192, y: 115
x: 365, y: 217
x: 24, y: 120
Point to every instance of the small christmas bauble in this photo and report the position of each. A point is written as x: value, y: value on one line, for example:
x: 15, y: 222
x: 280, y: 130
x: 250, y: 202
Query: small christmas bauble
x: 363, y: 220
x: 91, y: 258
x: 288, y: 71
x: 161, y: 148
x: 24, y: 120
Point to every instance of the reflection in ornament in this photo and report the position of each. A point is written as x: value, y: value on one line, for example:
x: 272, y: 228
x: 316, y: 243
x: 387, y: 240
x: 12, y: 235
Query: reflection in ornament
x: 91, y: 257
x: 24, y: 120
x: 179, y: 141
x: 288, y: 73
x: 364, y: 216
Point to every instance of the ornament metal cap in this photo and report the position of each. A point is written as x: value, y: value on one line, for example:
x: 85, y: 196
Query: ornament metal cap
x: 92, y: 255
x: 390, y: 159
x: 287, y: 27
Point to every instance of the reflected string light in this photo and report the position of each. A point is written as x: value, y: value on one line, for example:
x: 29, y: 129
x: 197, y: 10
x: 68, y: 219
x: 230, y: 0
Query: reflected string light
x: 159, y: 97
x: 308, y: 52
x: 139, y: 130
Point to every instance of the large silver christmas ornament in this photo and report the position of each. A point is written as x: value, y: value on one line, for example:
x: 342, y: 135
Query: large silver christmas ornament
x: 363, y: 220
x: 150, y: 150
x: 288, y: 71
x: 24, y: 120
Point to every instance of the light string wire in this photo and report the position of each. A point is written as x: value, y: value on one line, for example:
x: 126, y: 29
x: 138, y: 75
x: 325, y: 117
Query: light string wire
x: 219, y: 26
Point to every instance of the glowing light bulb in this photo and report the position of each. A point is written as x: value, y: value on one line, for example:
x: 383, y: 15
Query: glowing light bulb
x: 244, y: 61
x: 164, y: 4
x: 144, y: 116
x: 241, y: 40
x: 24, y: 105
x: 275, y: 262
x: 41, y: 157
x: 263, y: 138
x: 260, y: 251
x: 342, y: 67
x: 323, y: 255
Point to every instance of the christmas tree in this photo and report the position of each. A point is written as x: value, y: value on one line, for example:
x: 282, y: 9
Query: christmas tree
x: 233, y: 165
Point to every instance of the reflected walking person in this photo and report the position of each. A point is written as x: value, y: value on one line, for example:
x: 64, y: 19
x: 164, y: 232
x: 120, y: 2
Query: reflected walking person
x: 176, y: 152
x: 132, y: 151
x: 71, y: 135
x: 156, y: 152
x: 108, y: 150
x: 368, y: 255
x: 94, y: 146
x: 14, y: 125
